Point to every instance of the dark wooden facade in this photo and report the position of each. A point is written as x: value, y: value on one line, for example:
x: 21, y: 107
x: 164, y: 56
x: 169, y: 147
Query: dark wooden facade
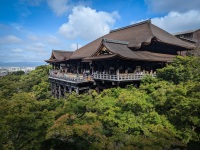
x: 192, y: 36
x: 124, y: 56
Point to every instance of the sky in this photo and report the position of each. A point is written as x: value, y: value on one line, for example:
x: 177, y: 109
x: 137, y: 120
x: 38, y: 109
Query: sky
x: 30, y: 29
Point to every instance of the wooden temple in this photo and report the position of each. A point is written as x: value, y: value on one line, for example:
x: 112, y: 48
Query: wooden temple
x: 191, y: 36
x: 122, y: 57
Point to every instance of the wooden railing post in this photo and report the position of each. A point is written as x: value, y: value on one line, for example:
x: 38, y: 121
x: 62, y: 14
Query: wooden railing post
x: 117, y: 74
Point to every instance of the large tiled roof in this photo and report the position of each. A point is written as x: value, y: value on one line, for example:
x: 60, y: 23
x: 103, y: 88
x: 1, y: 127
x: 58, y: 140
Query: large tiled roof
x: 136, y: 35
x: 121, y: 49
x: 185, y: 32
x: 59, y: 55
x: 168, y: 38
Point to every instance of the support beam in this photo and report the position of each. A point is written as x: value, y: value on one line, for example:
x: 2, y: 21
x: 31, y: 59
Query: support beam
x: 51, y: 88
x: 70, y: 90
x: 59, y: 91
x: 97, y: 89
x: 77, y: 90
x: 56, y: 91
x: 64, y: 93
x: 117, y: 72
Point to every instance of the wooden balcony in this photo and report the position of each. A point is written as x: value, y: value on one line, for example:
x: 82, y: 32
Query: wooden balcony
x: 79, y: 78
x: 121, y: 77
x: 69, y: 77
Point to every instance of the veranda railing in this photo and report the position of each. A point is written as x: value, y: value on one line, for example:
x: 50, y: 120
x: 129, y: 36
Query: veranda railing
x: 121, y: 77
x: 56, y: 74
x: 98, y: 76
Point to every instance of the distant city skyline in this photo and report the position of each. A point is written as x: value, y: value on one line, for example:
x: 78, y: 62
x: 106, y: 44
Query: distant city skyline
x: 30, y: 29
x: 5, y: 70
x: 21, y: 64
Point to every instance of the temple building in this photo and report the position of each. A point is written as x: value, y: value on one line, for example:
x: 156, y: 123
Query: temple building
x: 191, y: 36
x: 122, y: 57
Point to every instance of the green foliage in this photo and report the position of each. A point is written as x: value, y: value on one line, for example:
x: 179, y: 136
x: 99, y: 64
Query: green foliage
x: 115, y: 119
x: 35, y: 81
x: 180, y: 104
x: 163, y: 113
x: 9, y: 85
x: 34, y: 78
x: 24, y: 122
x: 182, y: 69
x: 18, y: 73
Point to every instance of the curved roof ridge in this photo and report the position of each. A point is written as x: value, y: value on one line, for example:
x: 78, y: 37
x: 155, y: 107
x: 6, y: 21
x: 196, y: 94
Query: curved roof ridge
x: 136, y: 24
x: 185, y: 32
x: 115, y: 41
x: 150, y: 27
x: 64, y: 51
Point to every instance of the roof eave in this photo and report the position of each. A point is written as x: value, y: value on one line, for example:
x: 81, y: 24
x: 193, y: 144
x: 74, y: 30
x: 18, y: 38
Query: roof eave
x: 182, y: 47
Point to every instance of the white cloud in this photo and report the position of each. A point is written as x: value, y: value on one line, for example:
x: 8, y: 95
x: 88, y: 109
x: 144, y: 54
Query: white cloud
x: 13, y: 39
x: 39, y: 45
x: 87, y: 23
x: 10, y: 39
x: 74, y: 46
x: 36, y: 47
x: 52, y: 39
x: 172, y: 5
x: 33, y: 37
x: 59, y: 7
x: 176, y: 22
x: 17, y: 50
x: 17, y: 27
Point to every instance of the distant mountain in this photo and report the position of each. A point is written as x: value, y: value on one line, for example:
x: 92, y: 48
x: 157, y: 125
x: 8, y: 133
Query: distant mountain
x: 21, y: 64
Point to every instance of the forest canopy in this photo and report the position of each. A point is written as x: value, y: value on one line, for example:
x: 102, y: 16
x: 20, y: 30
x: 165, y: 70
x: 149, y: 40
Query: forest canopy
x: 162, y: 113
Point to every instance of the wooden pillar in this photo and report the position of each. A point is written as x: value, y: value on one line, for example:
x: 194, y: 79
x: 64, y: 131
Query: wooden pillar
x: 70, y: 89
x: 97, y: 89
x: 59, y: 91
x: 117, y: 72
x: 56, y: 91
x: 51, y: 88
x: 77, y: 90
x: 64, y: 93
x: 91, y: 68
x: 53, y: 66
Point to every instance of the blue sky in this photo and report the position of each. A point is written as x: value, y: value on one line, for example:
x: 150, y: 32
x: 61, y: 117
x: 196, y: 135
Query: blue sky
x: 30, y: 29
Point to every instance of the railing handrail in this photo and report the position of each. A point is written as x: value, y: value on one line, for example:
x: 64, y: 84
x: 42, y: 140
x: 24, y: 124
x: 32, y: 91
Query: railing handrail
x: 121, y: 77
x: 69, y: 76
x: 100, y: 76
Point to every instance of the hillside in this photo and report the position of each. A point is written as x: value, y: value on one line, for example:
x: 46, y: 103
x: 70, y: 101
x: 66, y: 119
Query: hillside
x: 163, y: 113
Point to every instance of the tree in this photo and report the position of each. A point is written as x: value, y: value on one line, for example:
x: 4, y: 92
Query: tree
x: 35, y: 81
x: 24, y: 122
x: 160, y: 114
x: 37, y: 78
x: 9, y: 85
x: 180, y: 105
x: 182, y: 69
x: 115, y: 119
x: 18, y: 73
